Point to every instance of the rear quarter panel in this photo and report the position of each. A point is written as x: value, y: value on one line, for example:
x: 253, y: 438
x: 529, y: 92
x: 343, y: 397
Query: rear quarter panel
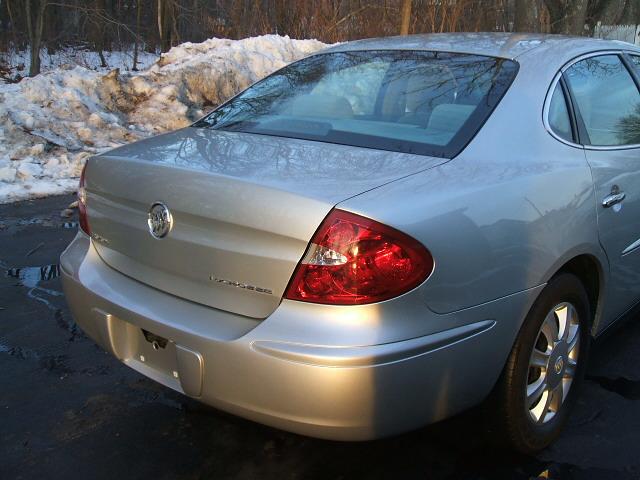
x: 506, y: 213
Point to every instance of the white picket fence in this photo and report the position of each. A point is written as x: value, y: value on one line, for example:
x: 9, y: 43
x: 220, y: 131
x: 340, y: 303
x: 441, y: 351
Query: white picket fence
x: 625, y: 33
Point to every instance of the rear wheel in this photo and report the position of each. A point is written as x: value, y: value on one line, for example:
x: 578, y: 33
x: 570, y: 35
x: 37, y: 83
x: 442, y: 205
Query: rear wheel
x: 539, y: 384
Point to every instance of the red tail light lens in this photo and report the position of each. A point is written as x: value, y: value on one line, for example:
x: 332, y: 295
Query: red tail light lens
x: 354, y: 260
x: 82, y: 203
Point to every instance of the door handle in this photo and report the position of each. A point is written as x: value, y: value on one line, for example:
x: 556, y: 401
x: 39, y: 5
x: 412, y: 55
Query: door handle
x: 611, y: 200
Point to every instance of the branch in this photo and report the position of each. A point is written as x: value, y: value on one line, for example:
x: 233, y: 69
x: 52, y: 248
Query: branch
x: 351, y: 14
x: 96, y: 12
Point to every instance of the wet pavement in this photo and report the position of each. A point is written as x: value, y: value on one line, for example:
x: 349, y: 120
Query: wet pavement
x: 69, y: 410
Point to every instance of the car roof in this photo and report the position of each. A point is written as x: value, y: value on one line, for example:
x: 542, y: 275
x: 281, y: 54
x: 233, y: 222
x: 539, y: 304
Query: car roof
x: 504, y: 45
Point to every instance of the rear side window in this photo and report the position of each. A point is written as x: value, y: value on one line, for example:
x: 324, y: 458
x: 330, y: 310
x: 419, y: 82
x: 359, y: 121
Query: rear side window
x: 608, y: 100
x: 635, y: 59
x: 422, y: 102
x: 559, y: 119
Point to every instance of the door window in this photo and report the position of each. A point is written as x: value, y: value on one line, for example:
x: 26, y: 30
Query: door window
x: 607, y: 99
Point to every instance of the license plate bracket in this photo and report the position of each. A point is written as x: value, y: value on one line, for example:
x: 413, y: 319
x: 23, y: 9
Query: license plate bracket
x: 157, y: 342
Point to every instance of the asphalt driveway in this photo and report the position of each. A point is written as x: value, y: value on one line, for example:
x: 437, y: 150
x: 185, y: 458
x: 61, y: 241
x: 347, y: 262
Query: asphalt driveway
x: 69, y: 410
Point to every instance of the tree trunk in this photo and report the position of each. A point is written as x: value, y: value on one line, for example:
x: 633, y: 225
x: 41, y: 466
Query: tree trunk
x: 160, y: 32
x: 175, y: 35
x: 527, y: 16
x: 165, y: 22
x: 12, y: 24
x: 100, y: 34
x: 196, y: 25
x: 406, y: 17
x: 615, y: 12
x: 576, y: 17
x: 137, y: 39
x: 34, y: 29
x: 567, y: 17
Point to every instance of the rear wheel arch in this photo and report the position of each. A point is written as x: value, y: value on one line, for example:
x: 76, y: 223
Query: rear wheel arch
x: 590, y: 272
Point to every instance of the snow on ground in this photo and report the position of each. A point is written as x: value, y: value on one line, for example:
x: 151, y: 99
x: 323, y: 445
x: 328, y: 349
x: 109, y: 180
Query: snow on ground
x: 17, y: 62
x: 51, y: 123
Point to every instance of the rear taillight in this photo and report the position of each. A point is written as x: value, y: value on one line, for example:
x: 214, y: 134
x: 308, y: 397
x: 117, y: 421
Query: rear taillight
x: 82, y: 203
x: 353, y: 260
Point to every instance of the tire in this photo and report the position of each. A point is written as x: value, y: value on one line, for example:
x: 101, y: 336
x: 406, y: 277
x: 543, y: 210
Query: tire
x: 523, y: 424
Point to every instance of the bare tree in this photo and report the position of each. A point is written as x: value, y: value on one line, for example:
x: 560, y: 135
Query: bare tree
x: 166, y: 23
x: 527, y: 16
x: 137, y: 37
x: 35, y: 12
x: 406, y: 17
x: 99, y: 32
x: 132, y: 24
x: 567, y: 16
x: 614, y: 11
x: 11, y: 21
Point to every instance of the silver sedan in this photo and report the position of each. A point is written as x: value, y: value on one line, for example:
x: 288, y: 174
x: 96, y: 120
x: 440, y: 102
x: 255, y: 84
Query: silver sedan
x: 378, y: 237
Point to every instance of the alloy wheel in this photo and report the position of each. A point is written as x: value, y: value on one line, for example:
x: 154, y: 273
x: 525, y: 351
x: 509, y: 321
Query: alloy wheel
x: 553, y: 363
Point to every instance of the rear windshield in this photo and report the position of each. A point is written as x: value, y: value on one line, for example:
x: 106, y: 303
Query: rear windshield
x: 428, y: 103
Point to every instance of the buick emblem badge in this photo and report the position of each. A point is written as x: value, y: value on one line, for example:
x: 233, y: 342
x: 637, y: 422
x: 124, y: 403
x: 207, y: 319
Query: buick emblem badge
x: 160, y: 220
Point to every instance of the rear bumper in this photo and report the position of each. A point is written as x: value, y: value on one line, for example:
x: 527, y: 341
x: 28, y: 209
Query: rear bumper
x: 257, y: 370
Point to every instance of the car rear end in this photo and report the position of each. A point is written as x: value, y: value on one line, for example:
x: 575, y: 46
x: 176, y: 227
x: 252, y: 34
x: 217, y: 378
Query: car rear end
x: 222, y: 260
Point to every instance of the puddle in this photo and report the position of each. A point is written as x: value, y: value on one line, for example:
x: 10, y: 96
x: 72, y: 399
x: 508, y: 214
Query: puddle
x: 38, y: 221
x: 29, y: 221
x: 48, y: 221
x: 31, y: 277
x: 51, y: 363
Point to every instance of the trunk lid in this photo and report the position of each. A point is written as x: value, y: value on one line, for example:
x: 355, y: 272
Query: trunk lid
x: 244, y: 207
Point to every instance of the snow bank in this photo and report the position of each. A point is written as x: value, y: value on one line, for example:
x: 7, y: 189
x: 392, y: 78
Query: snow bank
x: 51, y: 123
